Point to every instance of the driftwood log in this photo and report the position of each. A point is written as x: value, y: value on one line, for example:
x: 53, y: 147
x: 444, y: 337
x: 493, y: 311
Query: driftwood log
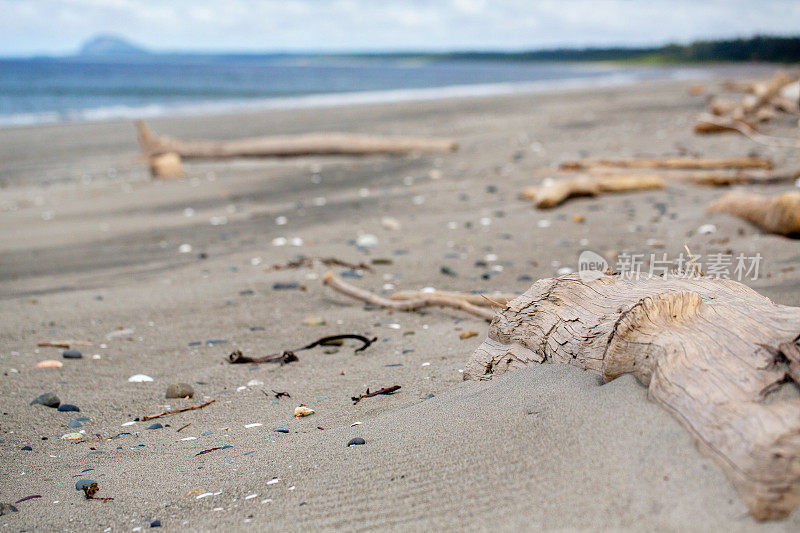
x: 289, y: 145
x: 712, y: 352
x: 774, y: 214
x: 672, y: 163
x: 555, y: 192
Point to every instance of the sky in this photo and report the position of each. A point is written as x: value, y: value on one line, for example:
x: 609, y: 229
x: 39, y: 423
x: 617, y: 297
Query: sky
x: 29, y: 27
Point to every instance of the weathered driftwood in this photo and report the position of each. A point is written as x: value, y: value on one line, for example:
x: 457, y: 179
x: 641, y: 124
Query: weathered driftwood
x: 167, y: 165
x: 714, y: 178
x: 555, y: 192
x: 481, y: 300
x: 404, y: 305
x: 672, y: 163
x: 707, y: 124
x: 290, y: 145
x: 710, y: 124
x: 774, y: 214
x: 707, y: 349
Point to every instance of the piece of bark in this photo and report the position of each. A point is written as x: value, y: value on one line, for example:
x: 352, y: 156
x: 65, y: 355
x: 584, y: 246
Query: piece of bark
x: 672, y: 163
x: 706, y: 126
x: 555, y: 192
x: 167, y: 165
x: 481, y: 300
x: 290, y: 145
x: 696, y: 344
x: 774, y: 214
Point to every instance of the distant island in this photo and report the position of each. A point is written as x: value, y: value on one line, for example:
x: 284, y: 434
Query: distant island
x: 110, y: 46
x: 759, y: 48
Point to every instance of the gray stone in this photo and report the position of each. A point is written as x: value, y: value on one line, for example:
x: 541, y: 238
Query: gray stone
x: 180, y: 390
x: 47, y: 399
x: 357, y: 441
x: 71, y: 354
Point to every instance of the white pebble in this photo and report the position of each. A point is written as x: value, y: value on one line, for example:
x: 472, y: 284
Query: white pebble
x: 273, y: 481
x: 392, y: 224
x: 251, y: 496
x: 253, y: 425
x: 544, y: 223
x: 139, y: 378
x: 279, y: 241
x: 296, y: 241
x: 563, y: 271
x: 188, y: 212
x: 185, y: 249
x: 281, y: 221
x: 706, y: 229
x: 367, y: 240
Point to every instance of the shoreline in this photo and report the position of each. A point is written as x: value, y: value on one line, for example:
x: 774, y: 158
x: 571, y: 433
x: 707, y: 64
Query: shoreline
x: 629, y: 75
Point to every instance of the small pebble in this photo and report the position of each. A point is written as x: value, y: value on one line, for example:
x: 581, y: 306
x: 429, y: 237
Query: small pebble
x: 139, y: 378
x: 155, y: 426
x: 367, y: 241
x: 357, y: 441
x: 27, y: 449
x: 71, y: 354
x: 314, y: 321
x: 74, y: 424
x: 47, y: 399
x: 83, y: 483
x: 280, y: 430
x: 285, y: 286
x: 180, y: 390
x: 6, y: 508
x: 447, y: 271
x: 155, y: 523
x: 64, y: 407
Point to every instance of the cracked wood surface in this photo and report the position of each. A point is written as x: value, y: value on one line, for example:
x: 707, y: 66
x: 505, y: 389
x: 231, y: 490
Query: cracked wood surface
x: 705, y: 348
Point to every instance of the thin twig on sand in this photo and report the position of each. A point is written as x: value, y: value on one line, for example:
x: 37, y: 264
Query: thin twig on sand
x: 174, y: 411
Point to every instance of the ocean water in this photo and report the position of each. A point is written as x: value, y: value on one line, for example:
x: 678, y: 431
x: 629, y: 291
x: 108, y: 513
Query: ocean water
x: 47, y: 90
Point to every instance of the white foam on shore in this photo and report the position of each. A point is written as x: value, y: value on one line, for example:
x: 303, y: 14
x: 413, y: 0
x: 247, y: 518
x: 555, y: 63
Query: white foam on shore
x: 219, y: 107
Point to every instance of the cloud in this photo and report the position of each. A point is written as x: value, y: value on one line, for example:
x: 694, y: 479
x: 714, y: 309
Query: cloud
x: 59, y: 26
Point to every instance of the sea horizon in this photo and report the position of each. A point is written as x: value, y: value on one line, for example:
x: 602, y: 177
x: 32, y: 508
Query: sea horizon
x: 45, y: 91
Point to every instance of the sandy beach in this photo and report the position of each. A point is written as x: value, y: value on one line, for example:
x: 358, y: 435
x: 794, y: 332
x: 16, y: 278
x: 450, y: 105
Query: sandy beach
x: 149, y: 272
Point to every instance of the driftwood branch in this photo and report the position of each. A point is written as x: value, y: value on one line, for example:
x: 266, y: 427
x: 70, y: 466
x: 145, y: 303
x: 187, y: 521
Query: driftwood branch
x: 712, y: 124
x: 696, y: 344
x: 671, y: 163
x: 289, y: 145
x: 339, y: 285
x: 774, y: 214
x: 481, y: 300
x: 555, y: 192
